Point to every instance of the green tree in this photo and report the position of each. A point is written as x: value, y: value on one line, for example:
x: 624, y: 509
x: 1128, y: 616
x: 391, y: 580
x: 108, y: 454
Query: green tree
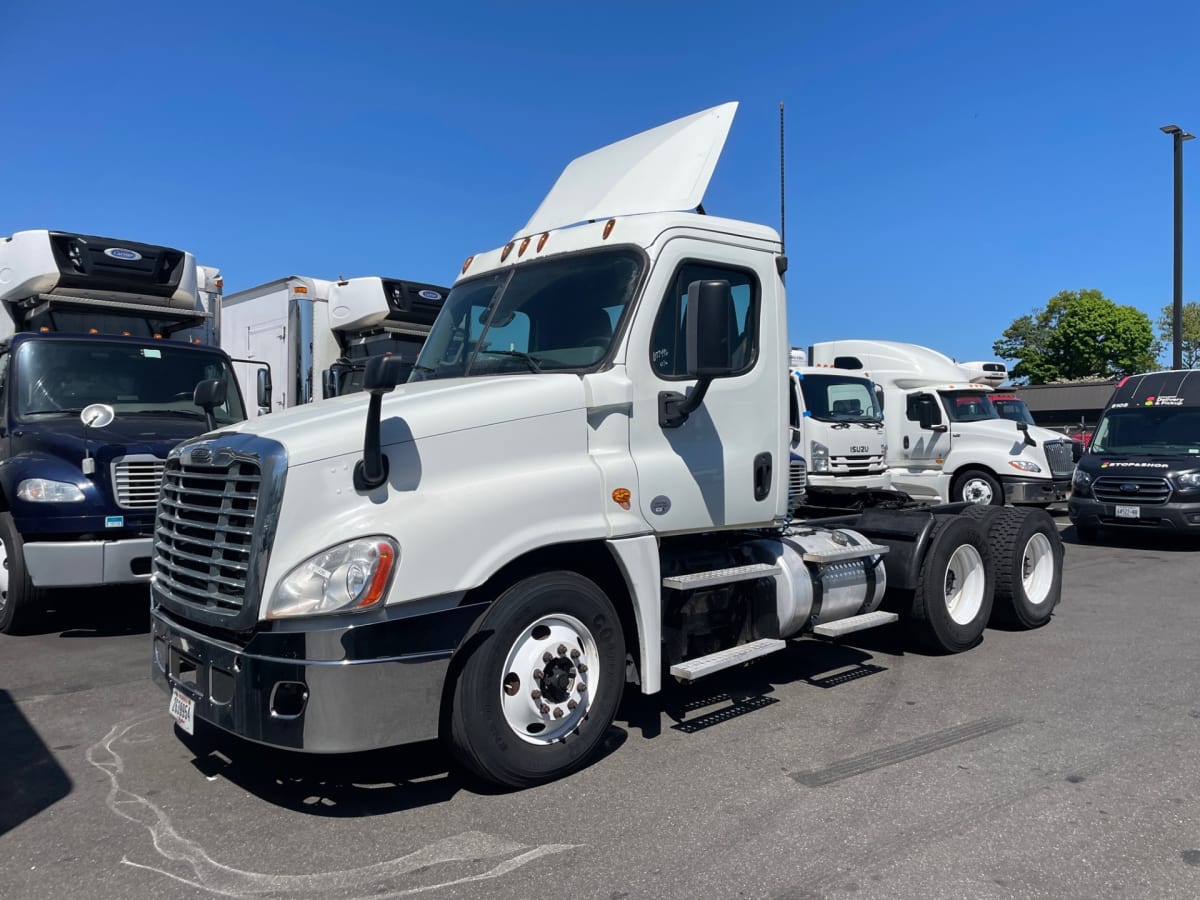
x: 1191, y: 332
x: 1079, y: 334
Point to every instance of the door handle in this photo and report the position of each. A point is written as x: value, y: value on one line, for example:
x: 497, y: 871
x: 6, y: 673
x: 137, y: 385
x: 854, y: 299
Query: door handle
x: 762, y: 476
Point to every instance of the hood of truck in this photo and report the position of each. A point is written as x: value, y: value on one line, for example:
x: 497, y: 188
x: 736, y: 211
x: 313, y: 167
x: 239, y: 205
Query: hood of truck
x: 414, y: 411
x: 64, y: 436
x: 1005, y: 428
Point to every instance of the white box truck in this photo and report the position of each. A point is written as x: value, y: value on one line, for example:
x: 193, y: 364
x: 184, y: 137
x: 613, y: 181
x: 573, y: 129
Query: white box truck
x: 945, y: 440
x: 313, y: 336
x: 582, y: 484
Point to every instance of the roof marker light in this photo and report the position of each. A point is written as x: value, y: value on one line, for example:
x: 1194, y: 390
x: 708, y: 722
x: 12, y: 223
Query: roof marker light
x: 467, y: 264
x: 300, y: 289
x: 507, y: 250
x: 608, y: 227
x: 542, y: 241
x: 524, y: 246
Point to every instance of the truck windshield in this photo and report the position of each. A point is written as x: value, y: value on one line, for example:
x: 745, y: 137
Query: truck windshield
x: 1013, y: 408
x: 1154, y: 431
x: 558, y: 314
x: 968, y: 406
x: 840, y: 398
x: 61, y: 377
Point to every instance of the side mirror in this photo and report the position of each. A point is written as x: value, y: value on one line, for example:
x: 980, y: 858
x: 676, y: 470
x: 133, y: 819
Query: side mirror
x: 208, y: 396
x: 709, y: 339
x: 329, y: 382
x: 929, y: 418
x: 381, y: 377
x: 1023, y: 427
x: 264, y: 390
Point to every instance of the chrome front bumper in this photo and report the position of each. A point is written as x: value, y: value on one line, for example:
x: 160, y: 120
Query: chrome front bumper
x: 1037, y: 491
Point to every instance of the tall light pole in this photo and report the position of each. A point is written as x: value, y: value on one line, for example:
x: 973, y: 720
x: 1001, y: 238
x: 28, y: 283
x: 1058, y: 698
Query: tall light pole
x: 1178, y: 136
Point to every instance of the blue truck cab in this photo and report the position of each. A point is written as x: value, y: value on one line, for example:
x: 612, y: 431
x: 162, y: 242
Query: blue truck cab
x: 94, y: 393
x: 1141, y: 471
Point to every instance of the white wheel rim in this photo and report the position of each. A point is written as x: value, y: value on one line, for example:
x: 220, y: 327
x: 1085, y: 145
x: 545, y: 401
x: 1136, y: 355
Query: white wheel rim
x: 544, y: 700
x: 964, y: 584
x: 976, y: 490
x: 3, y: 574
x: 1037, y: 569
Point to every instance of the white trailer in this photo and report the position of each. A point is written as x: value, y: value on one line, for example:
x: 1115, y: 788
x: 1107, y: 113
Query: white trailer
x: 945, y: 440
x: 314, y: 336
x: 582, y: 484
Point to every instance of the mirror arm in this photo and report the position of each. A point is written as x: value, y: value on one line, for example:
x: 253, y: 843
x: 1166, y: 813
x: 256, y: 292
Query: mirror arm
x: 674, y: 408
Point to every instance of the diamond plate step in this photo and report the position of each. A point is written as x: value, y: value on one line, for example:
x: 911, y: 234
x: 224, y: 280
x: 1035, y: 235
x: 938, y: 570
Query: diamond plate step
x: 855, y: 623
x: 719, y: 576
x: 725, y: 659
x: 849, y: 553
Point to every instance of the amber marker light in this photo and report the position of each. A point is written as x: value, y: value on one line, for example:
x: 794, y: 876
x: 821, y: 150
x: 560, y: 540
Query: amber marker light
x: 300, y: 289
x: 387, y: 559
x: 608, y: 227
x: 542, y: 241
x: 621, y: 497
x: 524, y: 246
x: 467, y: 264
x: 507, y: 250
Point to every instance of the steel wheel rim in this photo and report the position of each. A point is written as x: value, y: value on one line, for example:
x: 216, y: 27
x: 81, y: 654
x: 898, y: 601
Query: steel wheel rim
x: 544, y: 700
x: 976, y: 490
x: 964, y: 583
x: 1037, y: 569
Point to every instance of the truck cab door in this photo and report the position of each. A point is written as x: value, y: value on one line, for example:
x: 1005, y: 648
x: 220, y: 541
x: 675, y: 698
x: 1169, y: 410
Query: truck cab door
x: 727, y: 464
x: 926, y: 439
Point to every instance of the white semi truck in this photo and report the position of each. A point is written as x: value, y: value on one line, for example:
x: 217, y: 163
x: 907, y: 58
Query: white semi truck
x: 583, y: 483
x: 310, y: 338
x: 945, y: 440
x: 97, y: 383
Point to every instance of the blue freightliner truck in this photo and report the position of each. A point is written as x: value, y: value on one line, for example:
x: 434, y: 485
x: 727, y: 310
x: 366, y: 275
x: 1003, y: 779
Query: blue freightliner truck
x: 103, y: 344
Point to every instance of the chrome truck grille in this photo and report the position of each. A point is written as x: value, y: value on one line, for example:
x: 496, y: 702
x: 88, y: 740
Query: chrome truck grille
x: 136, y: 480
x: 1061, y: 457
x: 216, y: 517
x: 797, y: 482
x: 1134, y: 490
x: 860, y: 464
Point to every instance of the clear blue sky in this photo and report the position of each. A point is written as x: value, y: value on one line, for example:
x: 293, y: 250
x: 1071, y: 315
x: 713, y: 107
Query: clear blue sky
x: 950, y: 164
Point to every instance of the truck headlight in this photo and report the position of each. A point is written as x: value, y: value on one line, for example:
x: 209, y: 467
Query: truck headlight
x: 1189, y: 481
x: 1024, y: 465
x: 42, y: 490
x: 1081, y: 483
x: 351, y: 576
x: 818, y: 457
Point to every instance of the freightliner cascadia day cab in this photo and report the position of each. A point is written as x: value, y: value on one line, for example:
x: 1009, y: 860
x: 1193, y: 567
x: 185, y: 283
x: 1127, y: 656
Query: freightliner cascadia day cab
x: 315, y: 336
x: 945, y: 441
x: 93, y: 394
x: 1141, y: 471
x: 583, y: 483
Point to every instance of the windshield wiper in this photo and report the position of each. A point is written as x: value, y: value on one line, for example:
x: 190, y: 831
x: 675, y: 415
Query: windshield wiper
x: 532, y: 361
x: 187, y: 413
x: 48, y: 412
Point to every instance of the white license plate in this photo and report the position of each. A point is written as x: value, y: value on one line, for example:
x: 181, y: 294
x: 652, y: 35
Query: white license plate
x: 1129, y: 512
x: 183, y: 711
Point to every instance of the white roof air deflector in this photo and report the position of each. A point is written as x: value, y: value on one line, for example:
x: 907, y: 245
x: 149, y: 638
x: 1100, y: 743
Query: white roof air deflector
x: 665, y: 169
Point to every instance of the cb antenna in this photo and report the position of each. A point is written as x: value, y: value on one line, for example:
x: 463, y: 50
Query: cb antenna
x: 781, y: 262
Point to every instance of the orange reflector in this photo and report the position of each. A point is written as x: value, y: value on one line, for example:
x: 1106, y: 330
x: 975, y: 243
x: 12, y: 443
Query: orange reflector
x: 44, y: 328
x: 621, y: 497
x: 125, y: 334
x: 542, y: 241
x: 382, y: 571
x: 157, y: 336
x: 93, y: 331
x: 467, y: 264
x: 608, y: 227
x: 938, y: 462
x: 220, y: 284
x: 524, y: 246
x: 300, y: 289
x: 507, y: 250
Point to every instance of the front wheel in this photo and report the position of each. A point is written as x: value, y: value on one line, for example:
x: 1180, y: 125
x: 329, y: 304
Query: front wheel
x: 978, y: 486
x: 540, y: 682
x: 20, y: 601
x: 954, y: 594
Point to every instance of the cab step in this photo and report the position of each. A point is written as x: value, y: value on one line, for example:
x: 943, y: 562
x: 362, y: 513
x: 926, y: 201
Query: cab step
x: 856, y: 623
x: 696, y: 580
x: 849, y: 553
x: 725, y: 659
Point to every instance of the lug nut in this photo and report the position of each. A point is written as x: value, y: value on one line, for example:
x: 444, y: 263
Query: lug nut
x: 574, y: 654
x: 583, y: 667
x: 535, y: 694
x: 558, y: 713
x: 562, y: 649
x: 537, y: 674
x: 547, y: 656
x: 571, y: 704
x: 544, y: 708
x: 582, y: 687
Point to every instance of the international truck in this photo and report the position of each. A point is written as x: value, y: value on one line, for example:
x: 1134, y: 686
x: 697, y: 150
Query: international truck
x: 311, y: 337
x: 945, y: 441
x: 1141, y: 470
x: 582, y: 484
x: 838, y: 436
x: 93, y: 394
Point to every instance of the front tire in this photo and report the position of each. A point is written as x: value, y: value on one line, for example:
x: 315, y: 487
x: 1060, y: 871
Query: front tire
x: 20, y: 601
x: 953, y: 598
x: 540, y: 682
x: 978, y: 486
